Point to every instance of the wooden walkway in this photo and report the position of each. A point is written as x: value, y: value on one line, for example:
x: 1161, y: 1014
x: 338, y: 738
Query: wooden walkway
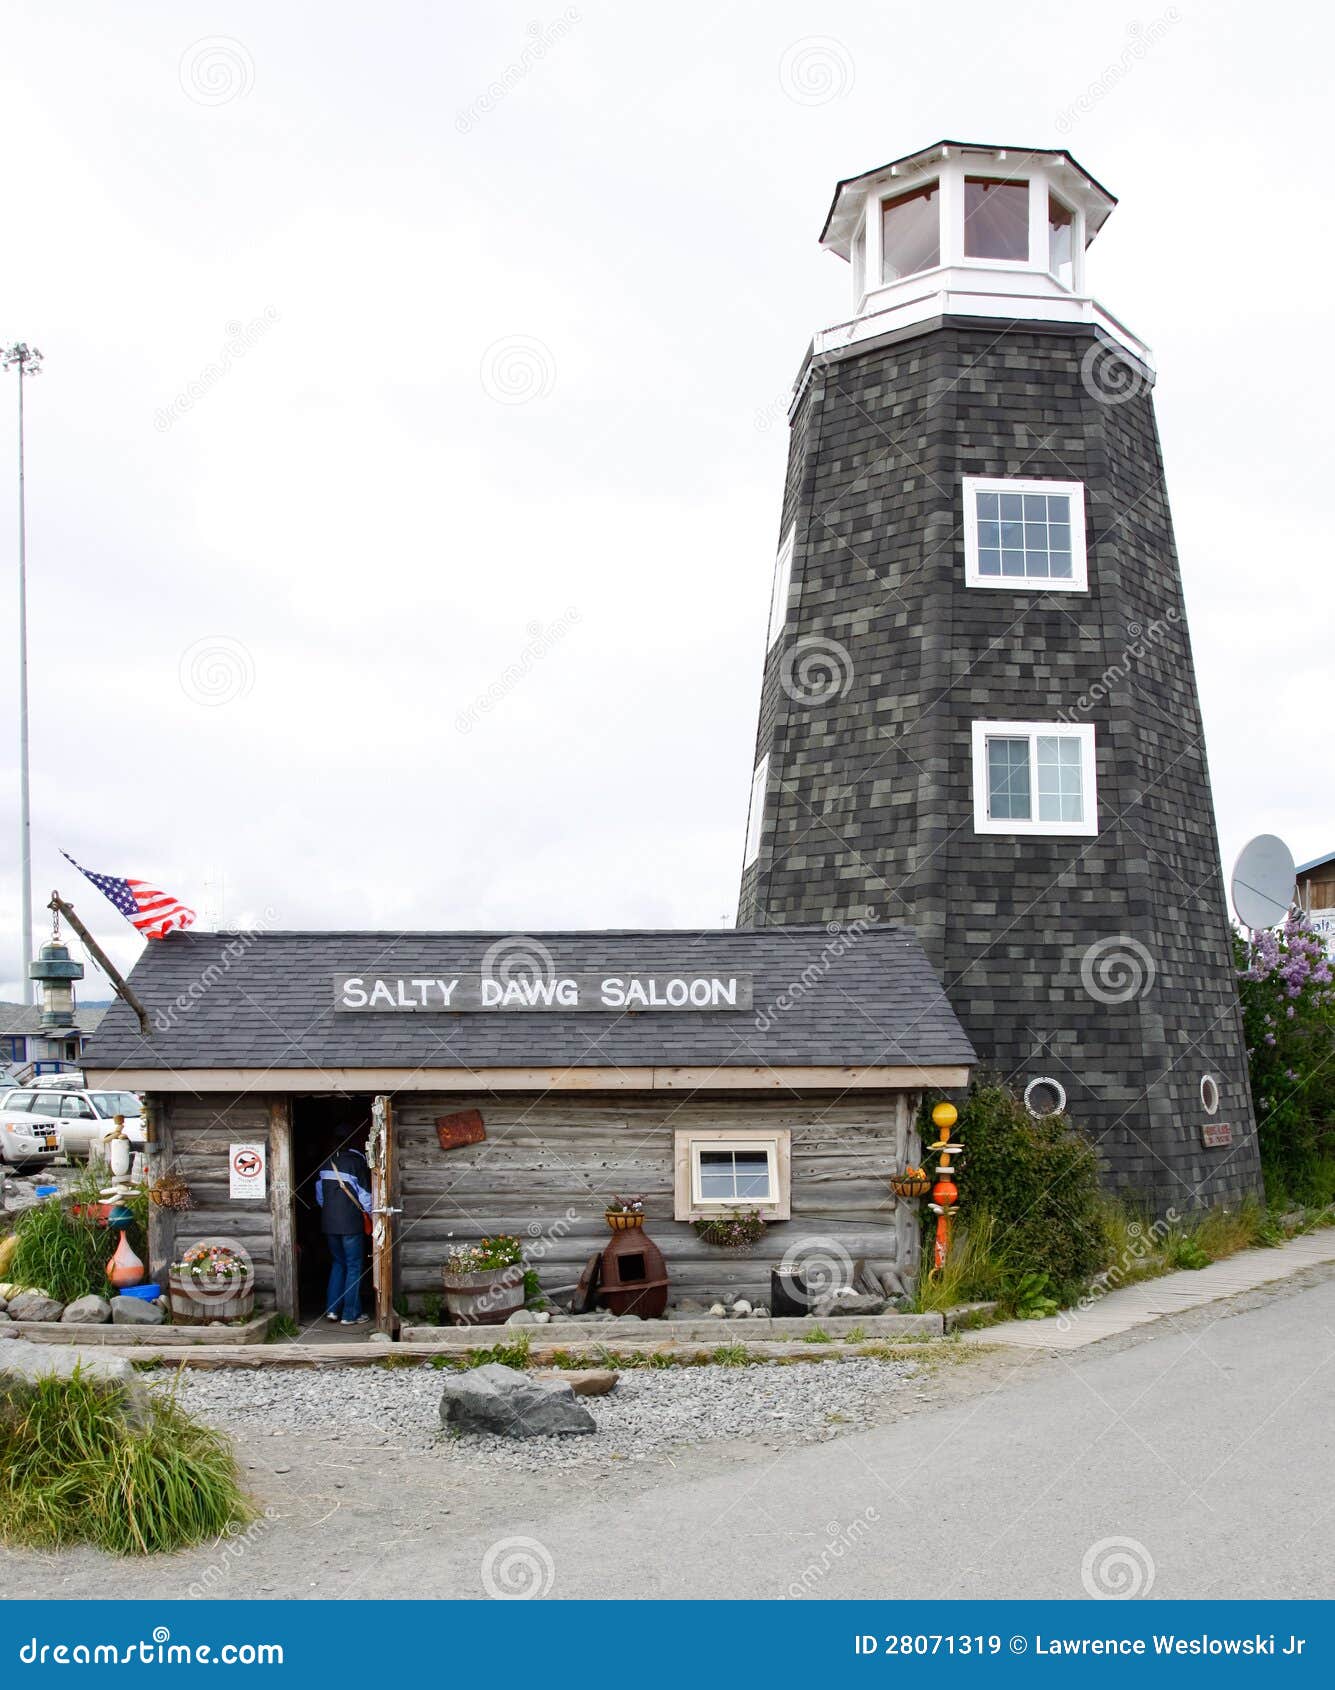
x: 1176, y: 1293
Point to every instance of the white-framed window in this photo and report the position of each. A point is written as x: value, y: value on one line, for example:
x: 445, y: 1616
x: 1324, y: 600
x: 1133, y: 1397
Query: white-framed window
x: 1025, y: 533
x: 911, y: 232
x: 1209, y: 1094
x: 717, y: 1171
x: 783, y: 580
x: 756, y: 819
x: 1045, y: 1096
x: 1034, y: 777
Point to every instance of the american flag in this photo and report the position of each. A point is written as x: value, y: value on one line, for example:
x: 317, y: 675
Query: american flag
x: 154, y: 913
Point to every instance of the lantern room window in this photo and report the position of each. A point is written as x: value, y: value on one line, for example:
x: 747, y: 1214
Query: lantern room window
x: 1061, y: 241
x: 911, y: 232
x: 996, y: 219
x: 1034, y: 777
x: 756, y: 819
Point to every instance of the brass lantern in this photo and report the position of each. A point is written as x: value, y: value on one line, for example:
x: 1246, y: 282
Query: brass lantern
x: 56, y: 970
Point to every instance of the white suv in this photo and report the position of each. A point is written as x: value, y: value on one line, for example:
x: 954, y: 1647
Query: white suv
x: 35, y: 1124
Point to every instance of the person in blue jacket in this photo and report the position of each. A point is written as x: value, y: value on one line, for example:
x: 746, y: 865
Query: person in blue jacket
x: 342, y: 1189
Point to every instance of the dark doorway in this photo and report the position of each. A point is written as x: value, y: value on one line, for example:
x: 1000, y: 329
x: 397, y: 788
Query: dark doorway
x: 319, y: 1126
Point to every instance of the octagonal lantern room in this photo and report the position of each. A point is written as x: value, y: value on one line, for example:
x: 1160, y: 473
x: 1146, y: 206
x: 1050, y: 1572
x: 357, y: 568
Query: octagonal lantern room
x: 969, y: 230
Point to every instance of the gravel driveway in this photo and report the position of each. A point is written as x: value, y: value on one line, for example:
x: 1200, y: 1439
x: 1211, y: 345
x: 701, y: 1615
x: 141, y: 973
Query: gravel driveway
x: 650, y: 1411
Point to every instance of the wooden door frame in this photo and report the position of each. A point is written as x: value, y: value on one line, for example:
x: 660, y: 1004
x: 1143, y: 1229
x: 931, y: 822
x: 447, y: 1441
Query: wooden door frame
x: 283, y: 1209
x: 383, y: 1185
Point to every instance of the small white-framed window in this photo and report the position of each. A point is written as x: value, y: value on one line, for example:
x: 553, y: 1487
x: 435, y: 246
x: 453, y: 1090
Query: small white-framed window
x: 1034, y: 777
x: 783, y: 580
x: 756, y: 818
x: 717, y: 1171
x: 1025, y: 534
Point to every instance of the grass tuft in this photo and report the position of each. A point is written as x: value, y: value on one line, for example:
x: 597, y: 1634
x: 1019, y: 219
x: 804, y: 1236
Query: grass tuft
x: 730, y: 1355
x: 73, y: 1469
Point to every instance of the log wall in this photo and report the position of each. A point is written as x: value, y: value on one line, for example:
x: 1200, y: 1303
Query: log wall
x: 549, y: 1164
x: 193, y: 1134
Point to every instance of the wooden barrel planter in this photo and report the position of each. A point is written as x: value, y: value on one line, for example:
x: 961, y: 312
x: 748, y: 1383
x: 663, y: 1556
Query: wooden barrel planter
x: 205, y: 1300
x: 487, y: 1297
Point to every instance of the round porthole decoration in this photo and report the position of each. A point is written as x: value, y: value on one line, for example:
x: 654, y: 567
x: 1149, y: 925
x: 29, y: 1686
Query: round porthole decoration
x: 1045, y: 1096
x: 1209, y: 1093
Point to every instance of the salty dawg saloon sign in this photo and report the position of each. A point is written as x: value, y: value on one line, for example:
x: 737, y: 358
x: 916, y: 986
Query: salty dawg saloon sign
x: 455, y: 994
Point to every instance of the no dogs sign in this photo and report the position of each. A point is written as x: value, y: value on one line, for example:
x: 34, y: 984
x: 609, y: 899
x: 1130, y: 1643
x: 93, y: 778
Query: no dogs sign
x: 248, y: 1169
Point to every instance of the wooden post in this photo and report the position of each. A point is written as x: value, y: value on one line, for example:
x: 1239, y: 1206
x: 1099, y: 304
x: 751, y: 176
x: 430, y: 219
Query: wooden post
x: 283, y: 1209
x: 161, y: 1222
x: 382, y: 1203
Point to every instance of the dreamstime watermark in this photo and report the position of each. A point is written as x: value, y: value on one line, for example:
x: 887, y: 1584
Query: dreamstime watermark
x: 241, y: 339
x: 841, y: 941
x: 543, y: 639
x: 1143, y: 1241
x: 236, y: 1543
x: 542, y: 38
x: 216, y: 70
x: 1141, y: 38
x: 816, y: 70
x: 839, y: 1541
x: 816, y: 670
x: 232, y: 949
x: 1141, y: 641
x: 1117, y: 1569
x: 1111, y: 375
x: 518, y: 1569
x: 215, y: 670
x: 516, y: 369
x: 1117, y: 969
x: 814, y: 1268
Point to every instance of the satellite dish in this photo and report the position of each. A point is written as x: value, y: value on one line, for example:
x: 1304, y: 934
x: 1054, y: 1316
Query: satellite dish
x: 1263, y: 882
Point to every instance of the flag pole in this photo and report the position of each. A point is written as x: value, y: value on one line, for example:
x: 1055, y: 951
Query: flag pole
x: 29, y: 363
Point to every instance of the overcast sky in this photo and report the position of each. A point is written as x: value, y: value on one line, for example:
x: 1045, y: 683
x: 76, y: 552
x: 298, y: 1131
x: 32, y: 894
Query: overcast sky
x: 408, y: 356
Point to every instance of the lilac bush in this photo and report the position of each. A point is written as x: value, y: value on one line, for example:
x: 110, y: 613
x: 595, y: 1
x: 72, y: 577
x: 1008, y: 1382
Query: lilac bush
x: 1288, y: 1011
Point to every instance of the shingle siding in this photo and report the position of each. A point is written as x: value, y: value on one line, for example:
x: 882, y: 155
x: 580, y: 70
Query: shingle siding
x: 871, y: 804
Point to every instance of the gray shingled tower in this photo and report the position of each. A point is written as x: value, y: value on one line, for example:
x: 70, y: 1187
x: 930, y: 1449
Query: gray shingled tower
x: 979, y: 710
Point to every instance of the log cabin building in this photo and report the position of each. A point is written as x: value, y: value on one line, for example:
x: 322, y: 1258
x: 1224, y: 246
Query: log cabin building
x: 778, y: 1070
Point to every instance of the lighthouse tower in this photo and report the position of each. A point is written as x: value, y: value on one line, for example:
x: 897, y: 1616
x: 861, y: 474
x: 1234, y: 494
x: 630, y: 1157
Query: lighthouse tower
x: 979, y: 711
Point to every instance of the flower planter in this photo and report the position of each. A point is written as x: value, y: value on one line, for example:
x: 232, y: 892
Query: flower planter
x: 202, y: 1299
x: 624, y: 1220
x: 485, y: 1297
x: 905, y: 1185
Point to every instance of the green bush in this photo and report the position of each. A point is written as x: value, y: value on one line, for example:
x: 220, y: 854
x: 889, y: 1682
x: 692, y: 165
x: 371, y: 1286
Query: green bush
x: 65, y: 1254
x: 1037, y: 1181
x: 74, y: 1470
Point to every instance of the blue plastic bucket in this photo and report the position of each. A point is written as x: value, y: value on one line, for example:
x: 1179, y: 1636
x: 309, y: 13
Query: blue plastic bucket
x: 46, y: 1190
x: 149, y: 1293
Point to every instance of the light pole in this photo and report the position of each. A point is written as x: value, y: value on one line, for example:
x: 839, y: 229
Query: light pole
x: 28, y: 361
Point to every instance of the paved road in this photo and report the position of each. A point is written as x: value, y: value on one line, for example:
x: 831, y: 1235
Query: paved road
x: 1210, y: 1445
x: 1205, y: 1442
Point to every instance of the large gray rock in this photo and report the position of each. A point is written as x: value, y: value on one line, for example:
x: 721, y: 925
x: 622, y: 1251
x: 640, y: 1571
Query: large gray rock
x: 34, y: 1305
x: 522, y: 1317
x: 847, y: 1302
x: 511, y: 1404
x: 134, y: 1311
x: 87, y: 1311
x: 23, y: 1363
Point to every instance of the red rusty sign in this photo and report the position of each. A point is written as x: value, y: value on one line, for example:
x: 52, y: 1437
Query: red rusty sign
x: 1216, y: 1135
x: 464, y: 1127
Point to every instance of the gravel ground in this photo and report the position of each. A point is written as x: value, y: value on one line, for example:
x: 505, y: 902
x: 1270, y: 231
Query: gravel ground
x: 648, y: 1412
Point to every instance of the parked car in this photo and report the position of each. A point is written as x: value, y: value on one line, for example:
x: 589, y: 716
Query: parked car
x: 78, y: 1120
x: 69, y: 1079
x: 26, y: 1138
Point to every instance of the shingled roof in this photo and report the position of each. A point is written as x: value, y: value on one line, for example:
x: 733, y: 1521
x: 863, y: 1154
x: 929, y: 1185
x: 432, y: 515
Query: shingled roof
x: 864, y: 996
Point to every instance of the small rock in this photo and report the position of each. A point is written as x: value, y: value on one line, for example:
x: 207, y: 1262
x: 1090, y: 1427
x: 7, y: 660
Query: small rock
x: 502, y: 1400
x: 87, y: 1311
x: 847, y: 1302
x: 741, y: 1308
x: 585, y: 1381
x: 543, y: 1316
x: 4, y: 1304
x: 134, y: 1311
x: 717, y: 1310
x: 35, y: 1305
x: 522, y: 1317
x: 760, y: 1312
